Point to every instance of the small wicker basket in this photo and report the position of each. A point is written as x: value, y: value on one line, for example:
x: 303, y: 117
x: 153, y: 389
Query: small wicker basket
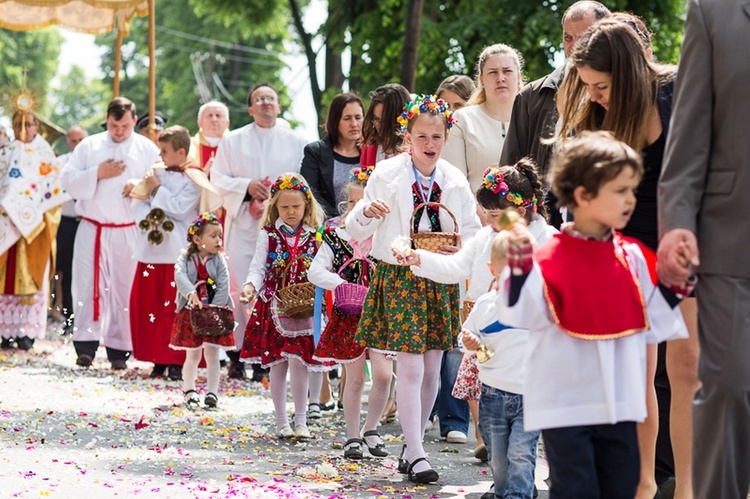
x: 431, y: 241
x: 212, y: 321
x: 297, y: 300
x: 466, y: 309
x: 350, y: 296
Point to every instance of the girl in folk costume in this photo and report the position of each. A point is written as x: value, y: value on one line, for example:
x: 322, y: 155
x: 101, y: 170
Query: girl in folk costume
x: 286, y: 246
x: 414, y: 317
x: 341, y: 259
x: 380, y: 128
x: 165, y: 202
x: 518, y: 187
x: 202, y: 278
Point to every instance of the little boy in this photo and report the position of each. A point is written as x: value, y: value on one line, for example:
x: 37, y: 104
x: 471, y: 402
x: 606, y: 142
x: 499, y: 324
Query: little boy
x: 165, y: 203
x: 590, y: 306
x: 512, y: 450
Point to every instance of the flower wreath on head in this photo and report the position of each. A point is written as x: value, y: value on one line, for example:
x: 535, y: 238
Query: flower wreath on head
x: 198, y: 223
x: 422, y: 104
x: 494, y: 181
x: 289, y: 182
x: 362, y: 173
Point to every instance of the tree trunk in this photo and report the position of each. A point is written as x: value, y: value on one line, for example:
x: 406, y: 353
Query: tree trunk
x: 334, y: 47
x: 306, y: 38
x: 411, y: 44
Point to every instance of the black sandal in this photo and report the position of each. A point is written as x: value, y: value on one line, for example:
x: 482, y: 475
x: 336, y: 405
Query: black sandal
x: 211, y: 400
x: 192, y: 400
x: 403, y: 464
x: 377, y: 450
x: 353, y: 449
x: 422, y: 477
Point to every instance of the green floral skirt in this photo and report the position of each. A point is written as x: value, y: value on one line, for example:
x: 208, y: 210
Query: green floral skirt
x: 406, y: 313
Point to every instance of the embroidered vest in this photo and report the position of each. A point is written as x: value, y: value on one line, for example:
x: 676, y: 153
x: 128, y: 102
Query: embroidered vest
x: 342, y: 252
x: 279, y: 257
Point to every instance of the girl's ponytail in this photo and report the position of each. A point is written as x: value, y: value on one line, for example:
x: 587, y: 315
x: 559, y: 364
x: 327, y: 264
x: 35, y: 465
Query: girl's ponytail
x: 528, y: 169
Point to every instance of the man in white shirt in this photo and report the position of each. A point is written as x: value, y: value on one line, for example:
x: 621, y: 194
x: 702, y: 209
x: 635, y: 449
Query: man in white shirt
x: 103, y: 266
x: 248, y: 160
x: 213, y: 123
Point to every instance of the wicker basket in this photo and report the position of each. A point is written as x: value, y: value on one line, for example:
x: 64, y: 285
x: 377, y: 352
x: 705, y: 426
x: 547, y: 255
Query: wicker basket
x: 431, y: 241
x: 212, y: 321
x: 297, y: 300
x: 466, y: 309
x: 350, y: 296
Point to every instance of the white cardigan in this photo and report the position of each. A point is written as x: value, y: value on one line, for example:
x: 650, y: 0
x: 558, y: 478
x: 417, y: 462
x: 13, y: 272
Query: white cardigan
x: 391, y: 182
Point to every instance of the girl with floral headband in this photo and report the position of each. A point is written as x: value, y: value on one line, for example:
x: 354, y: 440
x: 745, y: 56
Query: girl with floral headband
x: 518, y: 187
x: 202, y: 278
x: 415, y: 318
x: 286, y: 246
x: 342, y: 259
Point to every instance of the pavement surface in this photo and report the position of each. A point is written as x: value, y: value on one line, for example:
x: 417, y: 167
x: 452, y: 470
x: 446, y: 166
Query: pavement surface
x: 96, y: 433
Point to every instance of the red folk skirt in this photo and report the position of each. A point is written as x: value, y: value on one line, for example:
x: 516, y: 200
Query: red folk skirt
x: 183, y: 337
x: 337, y: 340
x: 152, y: 313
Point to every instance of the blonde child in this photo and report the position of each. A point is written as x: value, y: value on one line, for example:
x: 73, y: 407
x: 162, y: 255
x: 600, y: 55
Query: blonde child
x: 286, y: 244
x: 168, y: 189
x: 414, y: 317
x: 337, y: 343
x: 516, y: 186
x: 202, y: 278
x: 512, y: 449
x: 591, y: 307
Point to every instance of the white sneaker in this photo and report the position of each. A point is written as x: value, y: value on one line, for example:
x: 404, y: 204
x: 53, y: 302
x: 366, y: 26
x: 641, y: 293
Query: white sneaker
x: 286, y: 432
x: 430, y: 424
x: 302, y: 433
x: 456, y: 437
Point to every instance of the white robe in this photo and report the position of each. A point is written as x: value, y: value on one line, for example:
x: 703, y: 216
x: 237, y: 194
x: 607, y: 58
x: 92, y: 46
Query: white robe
x: 246, y: 154
x: 102, y: 201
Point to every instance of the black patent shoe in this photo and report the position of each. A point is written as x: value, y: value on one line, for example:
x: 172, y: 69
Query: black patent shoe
x: 211, y: 400
x: 403, y: 464
x: 422, y: 477
x: 158, y: 371
x: 24, y: 343
x: 236, y: 370
x: 378, y: 449
x: 6, y: 344
x: 174, y: 372
x: 353, y: 449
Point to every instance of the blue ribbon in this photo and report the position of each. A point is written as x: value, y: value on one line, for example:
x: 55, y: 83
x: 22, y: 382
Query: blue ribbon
x: 317, y: 314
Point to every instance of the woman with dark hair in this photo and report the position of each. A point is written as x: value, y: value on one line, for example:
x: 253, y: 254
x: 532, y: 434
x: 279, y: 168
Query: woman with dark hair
x: 381, y: 132
x: 613, y: 85
x: 327, y: 163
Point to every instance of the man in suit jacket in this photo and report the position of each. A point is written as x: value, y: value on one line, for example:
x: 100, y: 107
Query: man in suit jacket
x: 703, y: 205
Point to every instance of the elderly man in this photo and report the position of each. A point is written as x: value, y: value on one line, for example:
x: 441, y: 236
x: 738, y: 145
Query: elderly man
x: 213, y: 123
x: 63, y: 300
x: 103, y: 264
x: 703, y: 206
x: 247, y: 161
x: 30, y: 199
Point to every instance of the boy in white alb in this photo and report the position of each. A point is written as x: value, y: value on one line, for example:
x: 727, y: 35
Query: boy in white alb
x: 103, y: 265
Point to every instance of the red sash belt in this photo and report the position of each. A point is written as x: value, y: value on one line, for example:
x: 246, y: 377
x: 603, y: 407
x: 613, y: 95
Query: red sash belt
x: 97, y: 254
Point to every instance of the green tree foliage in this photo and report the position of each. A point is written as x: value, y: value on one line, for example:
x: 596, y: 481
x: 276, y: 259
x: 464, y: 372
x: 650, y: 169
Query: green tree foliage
x: 38, y: 51
x: 202, y: 53
x: 79, y: 101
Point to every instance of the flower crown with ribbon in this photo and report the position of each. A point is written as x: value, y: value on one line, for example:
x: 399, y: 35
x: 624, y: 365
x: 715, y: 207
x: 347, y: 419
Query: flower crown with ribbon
x: 423, y: 104
x: 362, y: 173
x: 198, y: 223
x: 290, y: 182
x: 494, y: 181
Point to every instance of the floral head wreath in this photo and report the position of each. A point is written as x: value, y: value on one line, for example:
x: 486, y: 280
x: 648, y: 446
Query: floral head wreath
x: 285, y: 182
x: 362, y: 173
x: 198, y: 223
x: 423, y: 104
x: 494, y: 181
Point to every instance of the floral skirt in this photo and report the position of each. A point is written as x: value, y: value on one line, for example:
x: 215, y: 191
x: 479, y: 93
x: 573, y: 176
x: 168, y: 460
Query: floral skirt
x: 467, y: 386
x: 337, y: 341
x: 406, y: 313
x: 263, y: 344
x: 183, y: 337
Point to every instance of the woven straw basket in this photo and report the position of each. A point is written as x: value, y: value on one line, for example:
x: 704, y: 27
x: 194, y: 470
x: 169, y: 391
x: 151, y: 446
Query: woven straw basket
x: 212, y: 321
x: 297, y: 300
x: 431, y: 241
x: 349, y: 296
x: 466, y: 309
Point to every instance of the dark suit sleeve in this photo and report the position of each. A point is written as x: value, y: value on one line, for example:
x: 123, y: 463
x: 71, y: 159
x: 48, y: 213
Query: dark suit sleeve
x: 312, y: 169
x: 688, y: 147
x: 518, y: 130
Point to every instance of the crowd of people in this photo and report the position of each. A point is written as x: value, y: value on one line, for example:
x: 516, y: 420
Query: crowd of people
x: 492, y: 246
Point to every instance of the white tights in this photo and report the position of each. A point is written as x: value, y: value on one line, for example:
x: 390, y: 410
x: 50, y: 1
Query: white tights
x: 382, y: 370
x: 417, y: 373
x: 316, y: 383
x: 190, y: 367
x: 298, y: 381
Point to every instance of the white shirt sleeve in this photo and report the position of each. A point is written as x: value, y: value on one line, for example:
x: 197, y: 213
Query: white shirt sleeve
x: 232, y: 188
x: 320, y: 272
x: 358, y: 225
x: 447, y: 269
x: 257, y: 269
x: 77, y: 177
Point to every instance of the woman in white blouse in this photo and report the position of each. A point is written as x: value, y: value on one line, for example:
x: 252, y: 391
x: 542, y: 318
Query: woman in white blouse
x: 477, y: 139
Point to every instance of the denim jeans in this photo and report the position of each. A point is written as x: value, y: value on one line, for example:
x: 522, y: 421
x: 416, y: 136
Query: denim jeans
x: 452, y: 412
x: 512, y: 450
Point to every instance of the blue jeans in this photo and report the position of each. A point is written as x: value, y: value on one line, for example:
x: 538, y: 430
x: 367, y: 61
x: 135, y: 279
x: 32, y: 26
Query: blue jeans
x: 452, y: 412
x: 512, y: 450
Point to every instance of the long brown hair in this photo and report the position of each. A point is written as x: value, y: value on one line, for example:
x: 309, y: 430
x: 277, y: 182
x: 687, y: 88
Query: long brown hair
x: 393, y: 97
x: 612, y: 47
